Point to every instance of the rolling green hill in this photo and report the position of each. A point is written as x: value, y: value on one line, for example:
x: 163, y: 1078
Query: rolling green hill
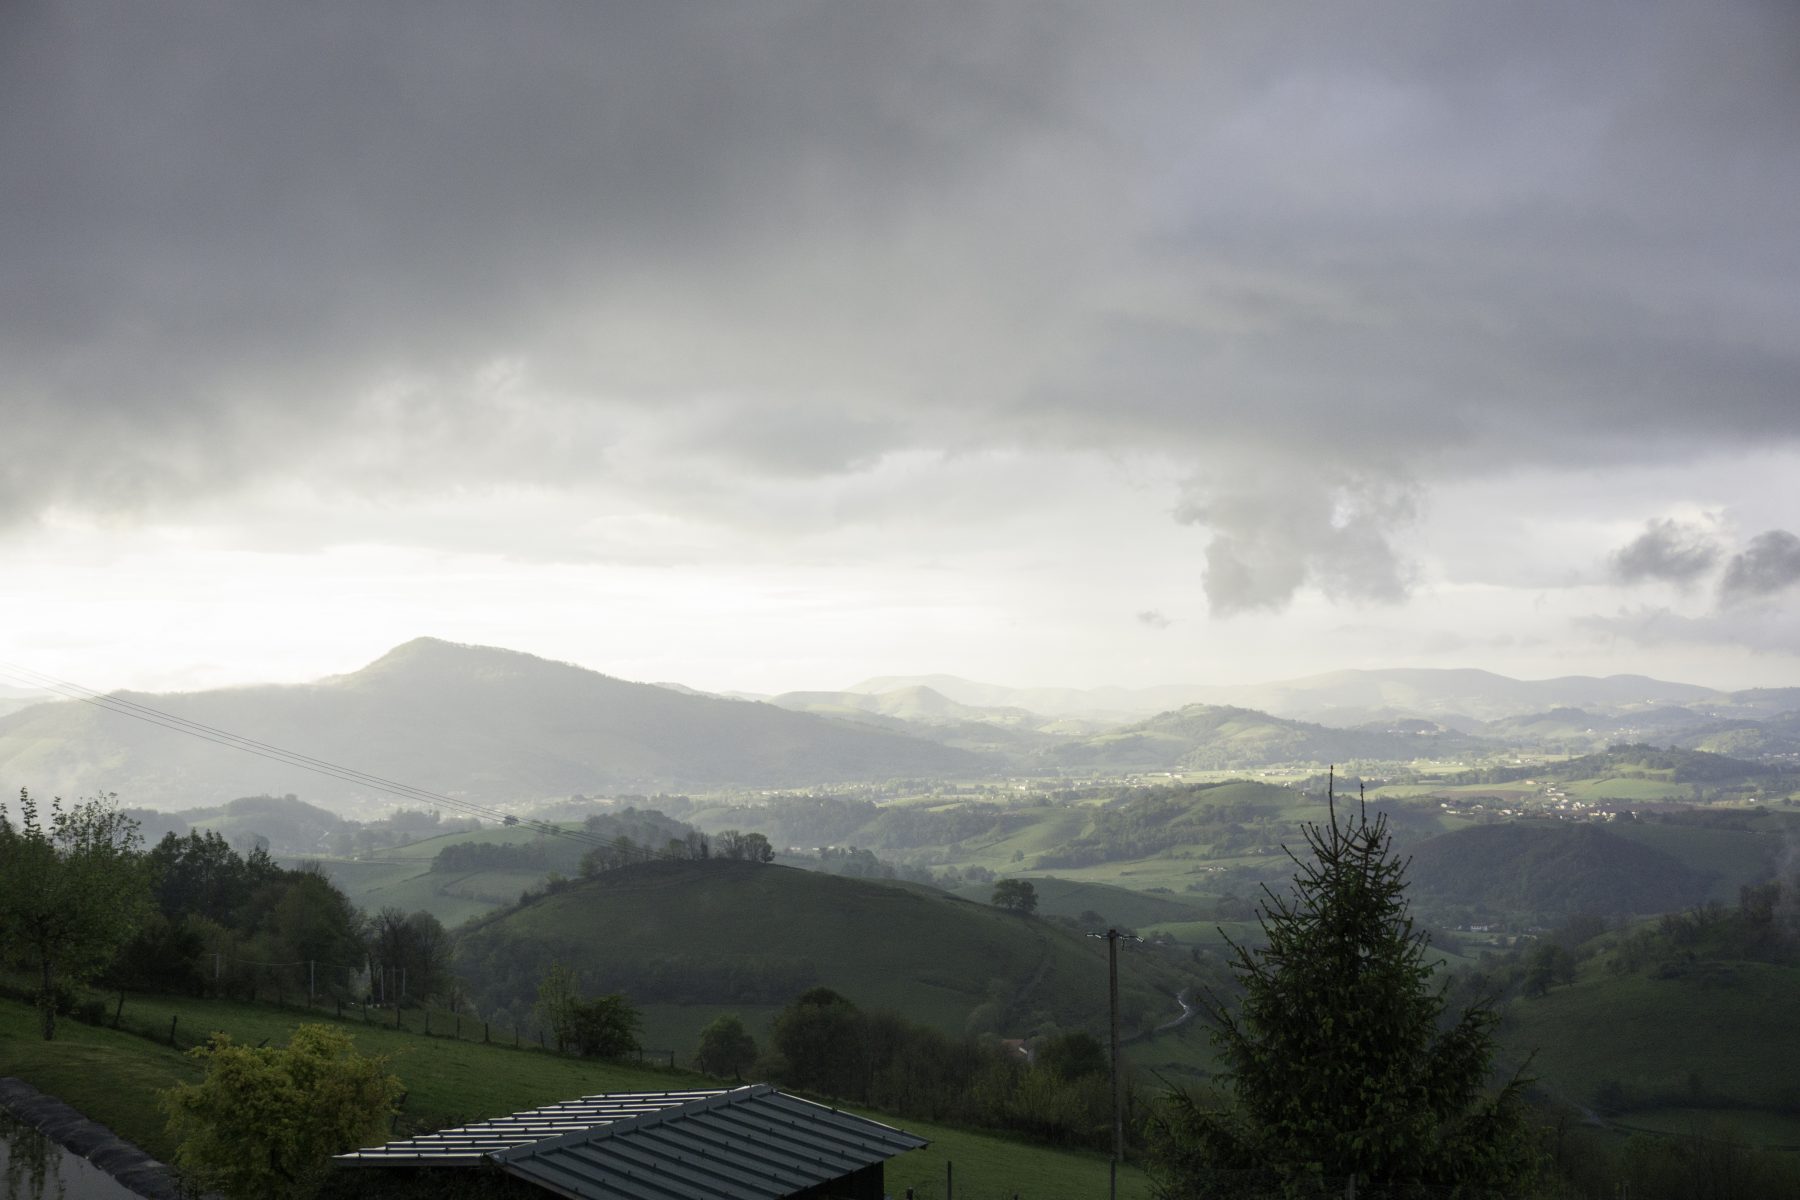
x: 1721, y: 1040
x: 705, y: 933
x: 467, y: 721
x: 1551, y: 868
x: 1202, y: 737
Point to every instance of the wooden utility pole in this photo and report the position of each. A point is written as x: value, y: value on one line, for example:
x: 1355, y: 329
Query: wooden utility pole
x: 1112, y: 988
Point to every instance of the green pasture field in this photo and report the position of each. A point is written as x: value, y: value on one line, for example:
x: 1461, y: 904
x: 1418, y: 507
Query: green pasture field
x: 114, y: 1076
x: 1723, y: 1032
x: 452, y: 897
x: 1207, y: 933
x: 402, y: 876
x: 674, y: 1026
x: 1626, y: 787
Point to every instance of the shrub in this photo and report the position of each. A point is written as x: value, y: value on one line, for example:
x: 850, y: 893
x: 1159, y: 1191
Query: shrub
x: 266, y: 1120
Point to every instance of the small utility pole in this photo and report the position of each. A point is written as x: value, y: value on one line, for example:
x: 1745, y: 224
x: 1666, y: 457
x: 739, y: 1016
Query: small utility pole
x: 1112, y: 988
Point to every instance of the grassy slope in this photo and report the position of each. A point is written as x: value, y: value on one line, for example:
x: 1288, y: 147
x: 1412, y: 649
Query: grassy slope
x: 1731, y: 1026
x: 402, y: 877
x: 114, y: 1077
x: 1071, y: 897
x: 913, y: 950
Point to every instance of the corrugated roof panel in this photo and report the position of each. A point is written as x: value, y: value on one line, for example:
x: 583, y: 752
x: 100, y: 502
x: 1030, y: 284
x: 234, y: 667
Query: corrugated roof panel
x: 748, y: 1143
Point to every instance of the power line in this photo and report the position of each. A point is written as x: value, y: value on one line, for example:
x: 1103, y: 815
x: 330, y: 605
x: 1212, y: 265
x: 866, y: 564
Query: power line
x: 320, y: 766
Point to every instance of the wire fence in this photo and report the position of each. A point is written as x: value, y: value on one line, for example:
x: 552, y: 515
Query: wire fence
x: 158, y: 1017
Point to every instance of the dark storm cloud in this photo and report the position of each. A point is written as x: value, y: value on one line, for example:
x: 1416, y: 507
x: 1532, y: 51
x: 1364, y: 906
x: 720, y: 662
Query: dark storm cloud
x: 1669, y: 551
x: 785, y: 239
x: 1769, y: 564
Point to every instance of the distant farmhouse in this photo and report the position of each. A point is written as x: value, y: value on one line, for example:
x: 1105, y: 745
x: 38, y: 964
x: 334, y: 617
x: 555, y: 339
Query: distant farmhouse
x: 745, y: 1143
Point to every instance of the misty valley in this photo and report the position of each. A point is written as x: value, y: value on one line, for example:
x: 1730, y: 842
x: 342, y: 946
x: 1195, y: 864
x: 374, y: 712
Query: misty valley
x: 513, y: 876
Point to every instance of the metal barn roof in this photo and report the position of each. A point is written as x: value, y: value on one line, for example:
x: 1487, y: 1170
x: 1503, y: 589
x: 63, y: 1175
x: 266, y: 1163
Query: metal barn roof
x: 746, y: 1143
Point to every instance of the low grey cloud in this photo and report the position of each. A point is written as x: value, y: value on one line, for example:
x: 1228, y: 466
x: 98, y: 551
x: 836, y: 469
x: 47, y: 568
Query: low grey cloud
x: 1151, y: 619
x: 425, y: 249
x: 1769, y: 564
x: 1667, y: 551
x: 1274, y: 531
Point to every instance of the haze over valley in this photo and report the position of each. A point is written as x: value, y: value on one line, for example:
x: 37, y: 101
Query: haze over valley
x: 637, y: 547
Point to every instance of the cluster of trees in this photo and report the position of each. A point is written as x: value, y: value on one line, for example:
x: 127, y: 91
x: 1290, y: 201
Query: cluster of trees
x: 1764, y: 926
x: 743, y: 847
x: 603, y: 1026
x: 85, y: 903
x: 74, y: 889
x: 239, y: 925
x: 288, y: 825
x: 806, y: 820
x: 729, y: 845
x: 1016, y: 895
x: 857, y: 863
x: 825, y: 1044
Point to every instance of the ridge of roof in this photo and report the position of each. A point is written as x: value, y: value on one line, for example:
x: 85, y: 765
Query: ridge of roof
x: 622, y: 1125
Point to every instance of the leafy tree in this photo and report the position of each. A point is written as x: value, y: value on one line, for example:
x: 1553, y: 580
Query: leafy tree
x: 1018, y: 895
x: 74, y: 892
x: 726, y: 1047
x: 201, y: 875
x: 1548, y: 965
x: 266, y: 1120
x: 163, y: 956
x: 414, y: 952
x: 1338, y: 1065
x: 312, y: 921
x: 1069, y: 1056
x: 820, y: 1039
x: 604, y: 1027
x: 557, y: 999
x: 744, y: 847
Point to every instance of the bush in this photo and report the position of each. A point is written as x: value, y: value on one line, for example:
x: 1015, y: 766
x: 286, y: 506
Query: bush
x: 726, y: 1047
x: 266, y: 1120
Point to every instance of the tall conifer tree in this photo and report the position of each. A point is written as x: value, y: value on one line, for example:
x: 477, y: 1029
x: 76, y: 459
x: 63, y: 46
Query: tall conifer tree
x: 1341, y: 1064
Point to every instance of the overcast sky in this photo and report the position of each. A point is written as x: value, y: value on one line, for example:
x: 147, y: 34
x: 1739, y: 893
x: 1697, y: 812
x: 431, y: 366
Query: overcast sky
x: 776, y: 345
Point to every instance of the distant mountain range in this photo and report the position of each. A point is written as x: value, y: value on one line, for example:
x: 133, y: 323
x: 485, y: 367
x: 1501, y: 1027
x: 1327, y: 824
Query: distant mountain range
x: 468, y: 721
x: 497, y: 726
x: 1348, y: 698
